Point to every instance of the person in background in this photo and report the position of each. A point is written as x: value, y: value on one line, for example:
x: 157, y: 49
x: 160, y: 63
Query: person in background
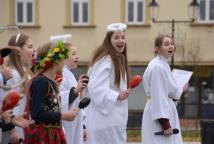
x: 73, y: 130
x: 8, y: 120
x: 19, y: 63
x: 106, y: 116
x: 43, y: 100
x: 160, y: 113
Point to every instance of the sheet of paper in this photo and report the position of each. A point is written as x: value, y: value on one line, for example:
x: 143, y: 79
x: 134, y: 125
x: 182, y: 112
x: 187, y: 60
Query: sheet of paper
x: 182, y: 76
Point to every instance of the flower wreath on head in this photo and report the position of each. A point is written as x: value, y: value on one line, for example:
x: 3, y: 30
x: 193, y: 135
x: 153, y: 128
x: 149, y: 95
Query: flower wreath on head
x: 53, y: 56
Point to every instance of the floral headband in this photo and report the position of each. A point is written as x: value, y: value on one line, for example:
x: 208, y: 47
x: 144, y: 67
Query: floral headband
x: 53, y: 56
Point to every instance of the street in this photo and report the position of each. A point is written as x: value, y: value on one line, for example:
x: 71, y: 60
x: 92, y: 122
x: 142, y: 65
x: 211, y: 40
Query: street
x: 184, y: 143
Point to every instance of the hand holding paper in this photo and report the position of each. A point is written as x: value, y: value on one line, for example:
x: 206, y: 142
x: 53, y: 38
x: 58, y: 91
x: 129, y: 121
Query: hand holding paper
x: 182, y: 77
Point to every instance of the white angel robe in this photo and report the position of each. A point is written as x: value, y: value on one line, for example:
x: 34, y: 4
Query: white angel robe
x: 106, y: 117
x: 161, y: 87
x: 18, y: 110
x: 5, y: 136
x: 73, y: 129
x: 2, y: 92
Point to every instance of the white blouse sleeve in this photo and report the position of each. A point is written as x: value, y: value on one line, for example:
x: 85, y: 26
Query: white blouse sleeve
x: 64, y: 91
x: 178, y: 94
x: 1, y: 79
x: 64, y: 94
x: 159, y: 94
x: 102, y: 95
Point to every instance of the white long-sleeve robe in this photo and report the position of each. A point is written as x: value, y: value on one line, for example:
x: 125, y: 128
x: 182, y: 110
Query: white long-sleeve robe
x: 106, y: 117
x: 73, y: 129
x: 5, y: 136
x: 18, y: 109
x: 161, y: 87
x: 2, y: 92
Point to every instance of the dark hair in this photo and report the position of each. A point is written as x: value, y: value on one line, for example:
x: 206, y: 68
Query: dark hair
x: 119, y: 59
x: 19, y: 41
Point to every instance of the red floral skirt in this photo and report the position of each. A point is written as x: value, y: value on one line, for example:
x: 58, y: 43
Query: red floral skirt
x: 44, y: 134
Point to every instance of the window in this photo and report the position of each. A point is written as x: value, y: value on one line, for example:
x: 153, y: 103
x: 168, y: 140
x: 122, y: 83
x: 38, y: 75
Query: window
x: 206, y: 11
x: 80, y: 12
x: 135, y: 11
x: 24, y: 12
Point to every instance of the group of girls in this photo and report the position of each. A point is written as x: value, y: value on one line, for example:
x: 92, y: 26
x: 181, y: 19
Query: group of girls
x: 52, y: 93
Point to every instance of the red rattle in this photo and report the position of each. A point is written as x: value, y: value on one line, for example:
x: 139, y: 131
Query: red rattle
x: 1, y: 60
x: 58, y: 78
x: 10, y: 100
x: 134, y: 82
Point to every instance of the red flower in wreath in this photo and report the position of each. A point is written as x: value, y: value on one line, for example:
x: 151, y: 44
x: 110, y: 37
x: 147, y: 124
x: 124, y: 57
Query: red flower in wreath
x: 48, y: 64
x: 32, y: 61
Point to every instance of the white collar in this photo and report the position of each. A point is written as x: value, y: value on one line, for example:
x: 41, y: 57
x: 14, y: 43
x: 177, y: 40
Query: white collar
x: 163, y: 58
x: 67, y: 67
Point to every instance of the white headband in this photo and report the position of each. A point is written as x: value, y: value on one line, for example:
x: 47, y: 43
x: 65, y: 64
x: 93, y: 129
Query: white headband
x: 116, y: 27
x: 17, y: 38
x: 64, y: 38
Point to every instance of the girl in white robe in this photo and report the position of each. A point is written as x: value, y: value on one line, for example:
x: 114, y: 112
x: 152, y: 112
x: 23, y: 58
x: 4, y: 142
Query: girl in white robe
x: 107, y: 114
x: 160, y: 113
x: 18, y: 63
x: 74, y: 131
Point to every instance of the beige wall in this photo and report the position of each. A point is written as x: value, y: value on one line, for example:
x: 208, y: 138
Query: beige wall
x: 52, y: 19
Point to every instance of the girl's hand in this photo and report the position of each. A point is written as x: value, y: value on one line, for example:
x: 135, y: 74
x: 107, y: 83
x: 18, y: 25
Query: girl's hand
x: 84, y: 135
x: 82, y: 83
x: 186, y: 87
x: 70, y: 115
x: 168, y: 132
x: 123, y: 95
x: 21, y: 121
x: 14, y: 137
x: 6, y: 115
x: 6, y: 71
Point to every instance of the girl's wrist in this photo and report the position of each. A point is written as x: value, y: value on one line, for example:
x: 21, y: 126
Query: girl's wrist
x: 76, y: 90
x: 12, y: 118
x: 63, y: 116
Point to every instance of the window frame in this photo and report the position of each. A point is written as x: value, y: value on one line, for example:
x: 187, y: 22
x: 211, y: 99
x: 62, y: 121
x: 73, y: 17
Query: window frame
x: 80, y: 11
x: 25, y: 2
x: 135, y: 15
x: 207, y: 12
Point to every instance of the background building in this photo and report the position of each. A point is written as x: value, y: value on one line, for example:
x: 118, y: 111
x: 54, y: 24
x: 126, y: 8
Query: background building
x: 86, y: 20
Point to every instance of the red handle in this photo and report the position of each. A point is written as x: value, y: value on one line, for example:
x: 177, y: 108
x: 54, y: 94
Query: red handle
x: 1, y: 61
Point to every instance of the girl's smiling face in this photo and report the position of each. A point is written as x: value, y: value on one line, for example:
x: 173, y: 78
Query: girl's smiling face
x: 73, y: 59
x: 167, y: 48
x: 28, y: 49
x: 118, y: 41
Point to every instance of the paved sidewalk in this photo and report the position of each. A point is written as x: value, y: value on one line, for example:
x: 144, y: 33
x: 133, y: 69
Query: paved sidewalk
x: 184, y: 143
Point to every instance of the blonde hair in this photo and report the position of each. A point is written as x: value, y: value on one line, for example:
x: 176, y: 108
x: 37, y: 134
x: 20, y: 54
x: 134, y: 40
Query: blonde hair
x: 14, y: 56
